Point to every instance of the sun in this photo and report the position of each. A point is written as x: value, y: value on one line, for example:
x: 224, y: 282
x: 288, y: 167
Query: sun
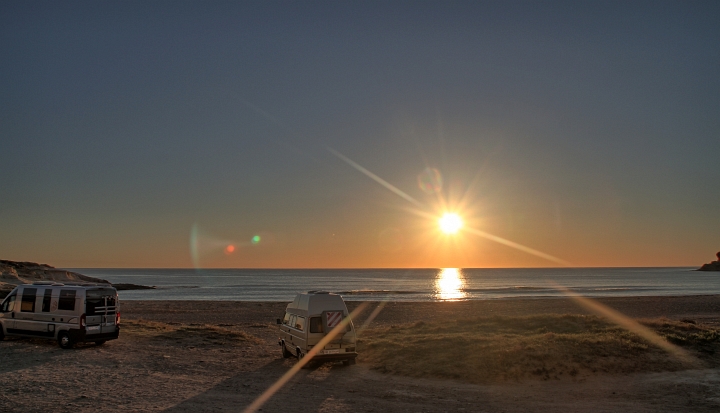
x: 450, y: 223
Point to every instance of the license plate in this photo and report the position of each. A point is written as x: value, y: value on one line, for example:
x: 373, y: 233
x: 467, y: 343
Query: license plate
x: 93, y: 328
x: 332, y: 351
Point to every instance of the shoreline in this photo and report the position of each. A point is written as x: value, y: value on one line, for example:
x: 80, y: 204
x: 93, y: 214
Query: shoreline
x: 700, y: 308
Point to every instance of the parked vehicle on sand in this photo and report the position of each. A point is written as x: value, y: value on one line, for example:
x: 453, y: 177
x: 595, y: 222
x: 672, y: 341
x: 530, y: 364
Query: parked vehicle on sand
x: 68, y: 313
x: 308, y: 319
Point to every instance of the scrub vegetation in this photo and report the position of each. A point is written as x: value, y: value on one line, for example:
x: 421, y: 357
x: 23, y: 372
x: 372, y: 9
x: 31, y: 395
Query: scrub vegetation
x: 492, y: 349
x: 205, y: 333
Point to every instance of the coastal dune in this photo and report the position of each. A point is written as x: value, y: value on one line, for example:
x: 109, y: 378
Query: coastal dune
x: 549, y: 354
x: 187, y: 356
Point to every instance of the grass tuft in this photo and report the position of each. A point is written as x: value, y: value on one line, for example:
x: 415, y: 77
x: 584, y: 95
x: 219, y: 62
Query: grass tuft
x: 205, y: 333
x: 490, y: 349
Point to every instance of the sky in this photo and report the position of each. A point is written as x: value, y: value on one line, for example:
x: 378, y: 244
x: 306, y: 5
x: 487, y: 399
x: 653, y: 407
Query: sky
x: 318, y: 134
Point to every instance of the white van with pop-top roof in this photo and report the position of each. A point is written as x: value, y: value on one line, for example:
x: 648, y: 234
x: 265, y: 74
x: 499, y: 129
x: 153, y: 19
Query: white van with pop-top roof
x: 309, y: 318
x: 68, y: 313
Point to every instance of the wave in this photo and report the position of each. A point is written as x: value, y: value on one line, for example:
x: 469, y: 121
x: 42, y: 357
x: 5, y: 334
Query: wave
x: 507, y: 289
x: 370, y: 292
x: 175, y: 287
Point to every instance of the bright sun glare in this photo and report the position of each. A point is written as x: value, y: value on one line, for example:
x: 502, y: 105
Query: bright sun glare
x: 450, y: 223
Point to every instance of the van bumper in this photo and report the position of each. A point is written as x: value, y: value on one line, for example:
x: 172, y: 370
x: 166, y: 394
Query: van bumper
x: 336, y: 356
x: 80, y: 335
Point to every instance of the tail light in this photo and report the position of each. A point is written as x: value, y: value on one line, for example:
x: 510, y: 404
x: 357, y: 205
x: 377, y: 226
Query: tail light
x: 117, y: 318
x: 82, y: 321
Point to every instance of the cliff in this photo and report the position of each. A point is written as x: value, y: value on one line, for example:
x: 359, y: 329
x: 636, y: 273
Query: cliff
x: 712, y: 266
x: 13, y: 273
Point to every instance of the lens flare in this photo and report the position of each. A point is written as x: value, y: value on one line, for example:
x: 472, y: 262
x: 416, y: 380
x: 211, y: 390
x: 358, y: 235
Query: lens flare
x: 256, y: 239
x: 450, y: 223
x: 430, y: 181
x: 229, y: 249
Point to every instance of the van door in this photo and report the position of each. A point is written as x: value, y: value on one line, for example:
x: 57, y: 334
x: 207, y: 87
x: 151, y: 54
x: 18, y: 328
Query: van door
x: 285, y: 328
x: 7, y: 312
x: 299, y: 332
x: 25, y: 320
x: 100, y: 310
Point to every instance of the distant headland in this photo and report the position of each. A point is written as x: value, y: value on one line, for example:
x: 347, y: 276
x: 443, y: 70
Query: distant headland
x: 712, y: 266
x: 13, y: 273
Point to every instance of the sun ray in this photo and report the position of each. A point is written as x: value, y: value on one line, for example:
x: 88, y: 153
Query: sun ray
x: 377, y: 179
x: 474, y: 231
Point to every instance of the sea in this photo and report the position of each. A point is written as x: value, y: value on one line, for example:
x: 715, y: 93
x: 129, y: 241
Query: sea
x: 431, y: 284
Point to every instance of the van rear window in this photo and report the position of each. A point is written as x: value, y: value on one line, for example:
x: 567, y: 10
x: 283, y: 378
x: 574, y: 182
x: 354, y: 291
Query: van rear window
x: 27, y: 304
x: 100, y: 305
x: 67, y: 300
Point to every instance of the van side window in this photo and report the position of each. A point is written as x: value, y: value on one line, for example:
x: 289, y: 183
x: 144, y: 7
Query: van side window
x: 300, y: 323
x: 67, y: 300
x: 286, y: 320
x: 316, y: 325
x: 46, y: 301
x: 9, y: 304
x: 27, y: 304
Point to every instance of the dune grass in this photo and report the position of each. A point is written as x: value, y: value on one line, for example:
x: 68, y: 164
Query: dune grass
x: 483, y: 350
x: 202, y: 333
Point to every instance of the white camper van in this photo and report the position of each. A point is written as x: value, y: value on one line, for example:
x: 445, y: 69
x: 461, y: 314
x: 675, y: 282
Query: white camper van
x: 308, y: 319
x: 67, y: 313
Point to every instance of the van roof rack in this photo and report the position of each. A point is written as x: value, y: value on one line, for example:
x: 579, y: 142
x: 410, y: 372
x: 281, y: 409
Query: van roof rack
x: 71, y: 284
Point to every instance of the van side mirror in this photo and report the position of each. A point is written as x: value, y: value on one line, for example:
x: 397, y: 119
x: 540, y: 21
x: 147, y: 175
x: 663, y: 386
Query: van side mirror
x: 279, y: 321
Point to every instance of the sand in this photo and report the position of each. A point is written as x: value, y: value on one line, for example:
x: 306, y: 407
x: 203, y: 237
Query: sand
x: 189, y: 356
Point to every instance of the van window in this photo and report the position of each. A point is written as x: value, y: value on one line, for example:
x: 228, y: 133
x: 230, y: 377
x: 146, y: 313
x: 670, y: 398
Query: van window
x: 67, y: 300
x: 316, y: 325
x: 293, y: 317
x: 286, y: 320
x: 300, y: 323
x: 96, y: 303
x: 9, y: 304
x: 28, y: 300
x: 46, y: 301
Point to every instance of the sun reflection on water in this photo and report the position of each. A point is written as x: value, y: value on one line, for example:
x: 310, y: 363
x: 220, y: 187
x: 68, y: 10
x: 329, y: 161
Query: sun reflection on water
x: 449, y: 284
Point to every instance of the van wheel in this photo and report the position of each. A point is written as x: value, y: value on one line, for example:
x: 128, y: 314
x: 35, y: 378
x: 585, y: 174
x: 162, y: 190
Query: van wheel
x: 64, y: 340
x: 100, y: 342
x: 2, y: 333
x: 286, y: 354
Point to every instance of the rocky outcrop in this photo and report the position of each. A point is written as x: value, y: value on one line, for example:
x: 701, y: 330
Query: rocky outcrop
x: 13, y: 273
x: 713, y: 266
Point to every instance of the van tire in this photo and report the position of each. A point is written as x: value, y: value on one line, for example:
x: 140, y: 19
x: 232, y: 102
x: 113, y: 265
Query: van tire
x: 2, y: 333
x: 285, y: 353
x: 100, y: 342
x: 64, y: 340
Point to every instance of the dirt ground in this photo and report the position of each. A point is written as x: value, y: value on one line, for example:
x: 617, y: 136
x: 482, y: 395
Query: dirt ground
x: 220, y: 356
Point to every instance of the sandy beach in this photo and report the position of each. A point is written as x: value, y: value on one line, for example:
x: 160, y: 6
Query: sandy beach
x: 189, y: 356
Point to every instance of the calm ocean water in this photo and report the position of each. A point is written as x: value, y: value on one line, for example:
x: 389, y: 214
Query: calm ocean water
x: 407, y: 284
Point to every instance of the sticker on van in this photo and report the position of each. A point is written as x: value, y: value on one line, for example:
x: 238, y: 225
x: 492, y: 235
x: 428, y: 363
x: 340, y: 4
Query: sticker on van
x: 334, y: 318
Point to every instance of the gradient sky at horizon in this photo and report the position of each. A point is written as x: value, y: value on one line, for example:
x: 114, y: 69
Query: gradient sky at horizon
x: 134, y: 132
